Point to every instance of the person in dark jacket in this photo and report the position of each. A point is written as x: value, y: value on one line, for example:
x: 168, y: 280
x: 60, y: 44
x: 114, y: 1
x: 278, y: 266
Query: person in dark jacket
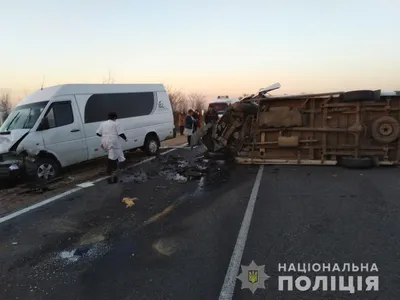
x: 189, y: 125
x: 181, y: 120
x: 211, y: 115
x: 195, y: 116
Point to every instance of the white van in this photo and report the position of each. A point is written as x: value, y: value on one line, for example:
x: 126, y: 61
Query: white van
x: 55, y: 127
x: 221, y: 104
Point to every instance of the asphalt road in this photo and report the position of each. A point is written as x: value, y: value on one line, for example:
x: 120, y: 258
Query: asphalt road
x: 177, y: 241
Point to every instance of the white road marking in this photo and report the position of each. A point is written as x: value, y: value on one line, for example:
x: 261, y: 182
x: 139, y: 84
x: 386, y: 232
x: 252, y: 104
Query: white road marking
x: 228, y: 287
x: 85, y: 184
x: 69, y: 192
x: 44, y: 202
x: 173, y: 147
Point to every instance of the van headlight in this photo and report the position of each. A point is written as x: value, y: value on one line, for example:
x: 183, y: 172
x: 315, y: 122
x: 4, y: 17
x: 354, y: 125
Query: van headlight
x: 13, y: 167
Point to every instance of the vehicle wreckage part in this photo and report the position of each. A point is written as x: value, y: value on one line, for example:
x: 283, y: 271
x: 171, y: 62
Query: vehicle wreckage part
x: 329, y: 126
x: 263, y: 161
x: 215, y: 155
x: 269, y: 88
x: 356, y: 162
x: 385, y: 129
x: 14, y: 147
x: 280, y: 117
x: 288, y: 141
x: 244, y: 107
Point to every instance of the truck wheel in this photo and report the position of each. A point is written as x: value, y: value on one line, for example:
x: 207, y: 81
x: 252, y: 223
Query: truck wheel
x: 151, y: 145
x: 361, y: 95
x: 356, y: 163
x: 44, y: 169
x: 385, y: 130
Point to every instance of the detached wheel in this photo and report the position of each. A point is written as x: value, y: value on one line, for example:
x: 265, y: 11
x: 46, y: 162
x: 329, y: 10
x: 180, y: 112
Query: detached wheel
x: 151, y: 145
x: 356, y: 163
x: 44, y: 169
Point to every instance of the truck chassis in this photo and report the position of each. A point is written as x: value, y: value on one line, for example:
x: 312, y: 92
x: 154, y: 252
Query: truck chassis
x: 354, y: 129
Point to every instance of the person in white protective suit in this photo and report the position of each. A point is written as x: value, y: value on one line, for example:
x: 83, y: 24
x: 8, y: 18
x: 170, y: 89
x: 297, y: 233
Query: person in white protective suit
x: 111, y: 132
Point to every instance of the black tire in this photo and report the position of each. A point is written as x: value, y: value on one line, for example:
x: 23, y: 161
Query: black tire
x: 214, y: 155
x: 362, y: 95
x: 246, y: 107
x: 385, y: 130
x: 151, y: 145
x: 43, y: 169
x: 356, y: 163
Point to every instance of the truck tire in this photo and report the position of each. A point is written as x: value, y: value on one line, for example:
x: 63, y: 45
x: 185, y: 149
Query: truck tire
x: 214, y: 155
x: 385, y: 129
x: 151, y: 145
x: 356, y: 163
x: 361, y: 95
x: 245, y: 107
x: 43, y: 169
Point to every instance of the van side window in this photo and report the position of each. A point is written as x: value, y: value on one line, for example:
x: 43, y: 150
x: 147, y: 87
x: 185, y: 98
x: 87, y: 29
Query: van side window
x: 126, y: 105
x: 60, y: 114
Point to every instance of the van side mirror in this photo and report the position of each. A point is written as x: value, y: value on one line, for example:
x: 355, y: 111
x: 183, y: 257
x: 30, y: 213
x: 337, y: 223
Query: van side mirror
x: 44, y: 124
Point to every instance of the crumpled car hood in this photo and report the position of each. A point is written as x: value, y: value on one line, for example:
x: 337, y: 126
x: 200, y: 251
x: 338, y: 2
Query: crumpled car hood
x: 7, y: 140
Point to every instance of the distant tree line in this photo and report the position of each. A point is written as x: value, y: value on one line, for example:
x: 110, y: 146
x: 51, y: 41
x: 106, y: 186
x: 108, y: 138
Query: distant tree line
x: 5, y: 105
x: 183, y: 102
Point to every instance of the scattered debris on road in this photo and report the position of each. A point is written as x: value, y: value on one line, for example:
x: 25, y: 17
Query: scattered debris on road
x: 69, y: 255
x: 90, y: 251
x: 129, y: 201
x: 180, y: 170
x: 166, y: 246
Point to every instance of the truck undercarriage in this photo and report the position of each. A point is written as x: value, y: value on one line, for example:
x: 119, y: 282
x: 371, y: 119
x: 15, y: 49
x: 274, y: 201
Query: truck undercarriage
x: 356, y: 129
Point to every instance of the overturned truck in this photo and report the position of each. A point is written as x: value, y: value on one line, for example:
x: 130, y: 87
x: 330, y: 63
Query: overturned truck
x: 354, y: 129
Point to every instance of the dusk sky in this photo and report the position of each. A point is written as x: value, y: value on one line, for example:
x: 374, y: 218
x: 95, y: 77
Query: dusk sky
x: 212, y: 47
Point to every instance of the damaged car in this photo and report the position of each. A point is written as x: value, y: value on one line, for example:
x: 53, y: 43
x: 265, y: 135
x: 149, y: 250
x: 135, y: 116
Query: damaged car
x: 355, y: 129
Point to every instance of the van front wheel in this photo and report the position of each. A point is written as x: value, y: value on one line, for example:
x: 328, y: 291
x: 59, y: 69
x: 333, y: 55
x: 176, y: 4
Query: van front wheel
x: 44, y: 169
x: 151, y: 145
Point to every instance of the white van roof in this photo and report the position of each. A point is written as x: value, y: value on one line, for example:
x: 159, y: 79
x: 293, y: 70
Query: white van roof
x: 228, y: 100
x: 74, y: 89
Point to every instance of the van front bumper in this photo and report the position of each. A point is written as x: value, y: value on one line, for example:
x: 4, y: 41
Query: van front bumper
x: 10, y: 168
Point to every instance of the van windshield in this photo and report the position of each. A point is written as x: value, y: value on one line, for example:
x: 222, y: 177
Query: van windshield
x: 23, y: 117
x: 219, y: 107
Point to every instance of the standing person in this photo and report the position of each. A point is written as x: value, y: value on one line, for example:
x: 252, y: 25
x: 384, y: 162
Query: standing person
x: 195, y: 116
x: 211, y: 116
x: 198, y: 124
x: 181, y: 119
x: 189, y: 126
x: 110, y: 132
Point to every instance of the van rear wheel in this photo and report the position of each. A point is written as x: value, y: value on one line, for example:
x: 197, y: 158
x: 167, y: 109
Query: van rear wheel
x: 151, y: 145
